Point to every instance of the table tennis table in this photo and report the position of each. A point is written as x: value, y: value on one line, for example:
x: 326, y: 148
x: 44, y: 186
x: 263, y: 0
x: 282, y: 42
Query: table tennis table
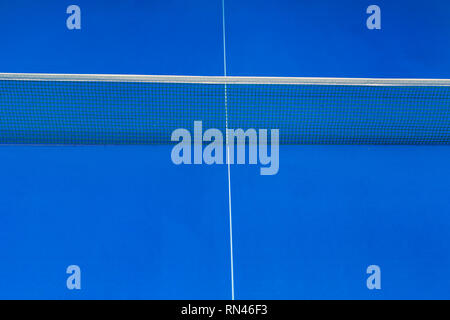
x: 140, y: 227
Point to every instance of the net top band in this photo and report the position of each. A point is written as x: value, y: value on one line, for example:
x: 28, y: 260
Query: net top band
x: 224, y: 80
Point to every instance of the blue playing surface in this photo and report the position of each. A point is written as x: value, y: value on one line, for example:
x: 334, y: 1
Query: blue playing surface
x: 141, y: 227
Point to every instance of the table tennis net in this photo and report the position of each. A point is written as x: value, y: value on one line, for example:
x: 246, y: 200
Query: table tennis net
x: 145, y: 110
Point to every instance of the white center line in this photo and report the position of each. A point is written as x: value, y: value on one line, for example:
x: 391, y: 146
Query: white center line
x: 228, y: 150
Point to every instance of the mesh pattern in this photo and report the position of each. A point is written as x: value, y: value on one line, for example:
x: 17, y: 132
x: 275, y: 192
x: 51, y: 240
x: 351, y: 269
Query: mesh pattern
x: 102, y: 112
x: 46, y: 112
x: 311, y: 114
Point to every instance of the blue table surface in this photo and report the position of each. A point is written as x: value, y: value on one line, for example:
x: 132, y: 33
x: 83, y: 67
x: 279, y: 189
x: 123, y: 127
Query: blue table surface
x: 141, y: 227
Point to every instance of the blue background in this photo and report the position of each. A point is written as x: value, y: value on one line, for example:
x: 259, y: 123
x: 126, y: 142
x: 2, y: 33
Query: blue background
x: 141, y: 227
